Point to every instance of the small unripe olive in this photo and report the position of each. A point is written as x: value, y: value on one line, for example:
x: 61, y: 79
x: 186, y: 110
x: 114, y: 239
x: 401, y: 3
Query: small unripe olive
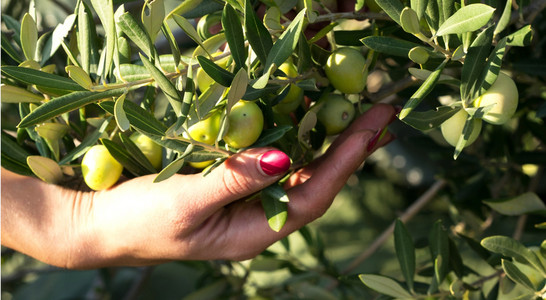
x: 452, y: 128
x: 345, y: 69
x: 100, y: 170
x: 336, y: 113
x: 150, y: 149
x: 504, y: 95
x: 246, y: 122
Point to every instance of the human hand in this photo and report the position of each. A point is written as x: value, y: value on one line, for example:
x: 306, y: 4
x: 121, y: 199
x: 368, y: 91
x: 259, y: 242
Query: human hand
x: 191, y: 217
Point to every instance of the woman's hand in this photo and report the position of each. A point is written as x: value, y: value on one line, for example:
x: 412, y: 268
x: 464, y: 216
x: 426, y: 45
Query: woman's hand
x: 186, y: 217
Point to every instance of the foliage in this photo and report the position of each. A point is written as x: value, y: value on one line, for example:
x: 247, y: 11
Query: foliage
x: 70, y: 84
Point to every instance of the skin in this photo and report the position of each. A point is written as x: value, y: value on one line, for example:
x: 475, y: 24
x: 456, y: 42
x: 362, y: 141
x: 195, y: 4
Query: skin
x: 187, y: 217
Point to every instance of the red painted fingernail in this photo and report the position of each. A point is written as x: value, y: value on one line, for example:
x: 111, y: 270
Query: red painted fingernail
x: 274, y: 162
x: 373, y: 141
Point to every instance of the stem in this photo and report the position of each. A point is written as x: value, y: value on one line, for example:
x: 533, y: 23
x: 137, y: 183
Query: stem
x: 406, y: 216
x: 352, y: 15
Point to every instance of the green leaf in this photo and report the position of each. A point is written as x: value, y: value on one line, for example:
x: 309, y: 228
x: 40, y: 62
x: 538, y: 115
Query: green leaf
x: 469, y: 18
x: 439, y: 249
x: 153, y: 13
x: 64, y: 104
x: 271, y: 135
x: 119, y: 114
x: 124, y: 158
x: 426, y: 87
x: 41, y: 79
x: 138, y: 117
x: 432, y: 15
x: 10, y: 50
x: 520, y: 38
x: 468, y: 128
x: 13, y: 94
x: 188, y: 29
x: 393, y: 8
x: 165, y: 85
x: 523, y: 204
x: 423, y: 74
x: 136, y: 153
x: 59, y: 33
x: 430, y: 119
x: 306, y: 124
x: 175, y: 50
x: 184, y: 7
x: 234, y: 35
x: 29, y: 36
x: 492, y: 68
x: 134, y: 31
x: 210, y: 45
x: 45, y: 168
x: 405, y: 251
x: 14, y: 157
x: 384, y: 284
x: 84, y: 35
x: 86, y: 143
x: 256, y: 33
x: 219, y: 74
x: 419, y: 55
x: 419, y: 6
x: 283, y: 48
x: 253, y: 94
x: 410, y: 21
x: 170, y: 170
x: 208, y: 101
x: 514, y: 273
x: 237, y: 89
x: 389, y: 45
x: 504, y: 20
x: 475, y: 62
x: 105, y: 11
x: 274, y: 200
x: 79, y: 76
x: 512, y: 248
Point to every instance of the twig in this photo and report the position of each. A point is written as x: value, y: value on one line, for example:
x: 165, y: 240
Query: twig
x: 406, y: 216
x: 353, y: 15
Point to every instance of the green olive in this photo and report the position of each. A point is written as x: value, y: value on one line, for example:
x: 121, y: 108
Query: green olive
x: 503, y: 94
x: 100, y: 170
x: 246, y: 122
x: 150, y: 149
x: 452, y: 128
x: 205, y: 131
x: 335, y: 113
x: 345, y: 70
x: 295, y: 94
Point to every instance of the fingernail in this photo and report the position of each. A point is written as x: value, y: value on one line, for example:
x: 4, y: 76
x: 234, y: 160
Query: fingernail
x: 274, y: 162
x: 373, y: 141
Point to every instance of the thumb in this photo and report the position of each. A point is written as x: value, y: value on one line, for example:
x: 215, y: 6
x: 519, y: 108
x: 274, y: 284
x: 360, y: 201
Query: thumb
x: 243, y: 174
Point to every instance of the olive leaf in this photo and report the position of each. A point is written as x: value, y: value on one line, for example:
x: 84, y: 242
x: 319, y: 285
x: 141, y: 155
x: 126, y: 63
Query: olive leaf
x: 469, y: 18
x: 274, y: 201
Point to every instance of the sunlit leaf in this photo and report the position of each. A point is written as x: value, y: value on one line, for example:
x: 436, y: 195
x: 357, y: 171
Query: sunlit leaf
x: 426, y: 87
x: 409, y: 21
x: 66, y: 103
x: 59, y: 33
x: 45, y: 168
x: 469, y: 18
x: 274, y: 205
x: 134, y: 31
x: 520, y: 38
x: 234, y: 35
x: 514, y: 273
x: 385, y: 285
x: 13, y: 94
x: 475, y: 62
x: 512, y: 248
x: 29, y: 36
x: 152, y: 15
x: 393, y: 8
x: 105, y: 11
x: 168, y: 88
x: 90, y: 140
